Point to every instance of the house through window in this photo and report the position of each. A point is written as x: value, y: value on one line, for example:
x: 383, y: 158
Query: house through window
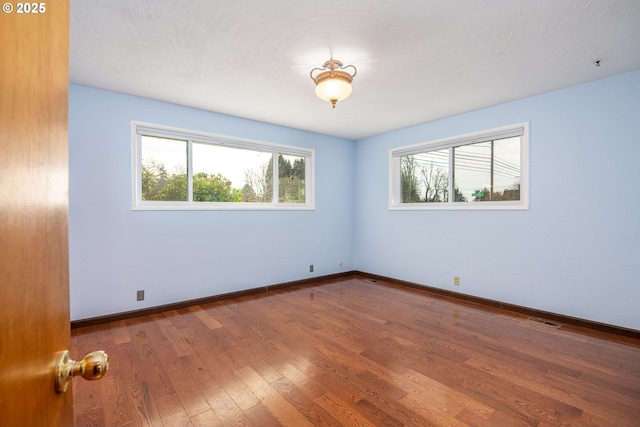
x: 484, y: 170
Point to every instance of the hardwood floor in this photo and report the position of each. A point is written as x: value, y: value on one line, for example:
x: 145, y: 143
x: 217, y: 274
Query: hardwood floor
x: 350, y: 352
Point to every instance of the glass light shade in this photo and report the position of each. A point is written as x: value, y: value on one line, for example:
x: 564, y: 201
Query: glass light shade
x: 333, y: 88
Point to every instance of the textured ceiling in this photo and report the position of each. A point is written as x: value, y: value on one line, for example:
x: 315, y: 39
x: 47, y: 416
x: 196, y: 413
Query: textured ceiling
x: 417, y: 60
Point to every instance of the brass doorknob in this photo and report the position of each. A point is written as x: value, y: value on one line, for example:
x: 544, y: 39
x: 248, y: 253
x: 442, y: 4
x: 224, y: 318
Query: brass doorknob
x: 92, y: 367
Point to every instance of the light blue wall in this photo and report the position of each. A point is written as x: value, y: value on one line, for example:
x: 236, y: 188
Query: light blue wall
x: 576, y: 251
x: 177, y: 256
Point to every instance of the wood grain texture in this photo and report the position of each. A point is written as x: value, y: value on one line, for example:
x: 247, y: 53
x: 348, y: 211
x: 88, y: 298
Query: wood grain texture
x: 348, y: 352
x: 34, y: 262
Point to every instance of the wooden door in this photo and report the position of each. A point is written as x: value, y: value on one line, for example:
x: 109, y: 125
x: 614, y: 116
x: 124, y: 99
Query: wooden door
x: 34, y: 288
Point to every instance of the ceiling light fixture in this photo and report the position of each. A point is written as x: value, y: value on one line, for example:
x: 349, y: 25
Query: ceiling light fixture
x: 333, y: 84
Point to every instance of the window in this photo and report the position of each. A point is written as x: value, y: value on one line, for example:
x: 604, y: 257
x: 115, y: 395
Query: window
x: 483, y: 170
x: 175, y: 169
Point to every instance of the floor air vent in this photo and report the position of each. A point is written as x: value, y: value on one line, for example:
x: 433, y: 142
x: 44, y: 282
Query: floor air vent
x: 371, y: 280
x: 545, y: 322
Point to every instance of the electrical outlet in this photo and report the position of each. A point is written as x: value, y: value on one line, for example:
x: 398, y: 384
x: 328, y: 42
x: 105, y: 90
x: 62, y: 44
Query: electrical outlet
x: 311, y: 268
x: 340, y: 263
x: 456, y: 281
x: 140, y: 296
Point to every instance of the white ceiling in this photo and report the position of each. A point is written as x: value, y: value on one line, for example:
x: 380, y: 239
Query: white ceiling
x: 417, y: 60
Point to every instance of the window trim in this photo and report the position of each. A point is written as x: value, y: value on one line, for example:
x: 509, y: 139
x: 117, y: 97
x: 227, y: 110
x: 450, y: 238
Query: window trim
x: 139, y: 129
x: 395, y: 193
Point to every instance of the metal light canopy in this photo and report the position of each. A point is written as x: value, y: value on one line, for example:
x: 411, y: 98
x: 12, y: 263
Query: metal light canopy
x: 333, y: 83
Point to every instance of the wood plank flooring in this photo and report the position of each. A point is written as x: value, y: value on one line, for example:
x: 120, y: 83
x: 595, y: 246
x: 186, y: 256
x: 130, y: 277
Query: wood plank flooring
x: 350, y: 352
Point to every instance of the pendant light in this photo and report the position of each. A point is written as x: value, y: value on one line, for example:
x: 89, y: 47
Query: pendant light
x: 333, y: 83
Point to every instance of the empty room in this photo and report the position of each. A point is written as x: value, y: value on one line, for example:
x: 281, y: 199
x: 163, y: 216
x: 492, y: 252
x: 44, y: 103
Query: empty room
x: 297, y: 213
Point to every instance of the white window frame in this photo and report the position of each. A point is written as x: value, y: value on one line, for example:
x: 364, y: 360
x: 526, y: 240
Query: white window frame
x: 395, y: 193
x: 138, y: 129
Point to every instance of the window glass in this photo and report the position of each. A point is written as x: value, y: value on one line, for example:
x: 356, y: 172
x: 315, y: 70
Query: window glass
x: 425, y: 177
x: 489, y: 166
x: 175, y: 169
x: 164, y: 169
x: 487, y: 171
x: 472, y: 171
x: 506, y: 169
x: 291, y: 179
x: 227, y: 174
